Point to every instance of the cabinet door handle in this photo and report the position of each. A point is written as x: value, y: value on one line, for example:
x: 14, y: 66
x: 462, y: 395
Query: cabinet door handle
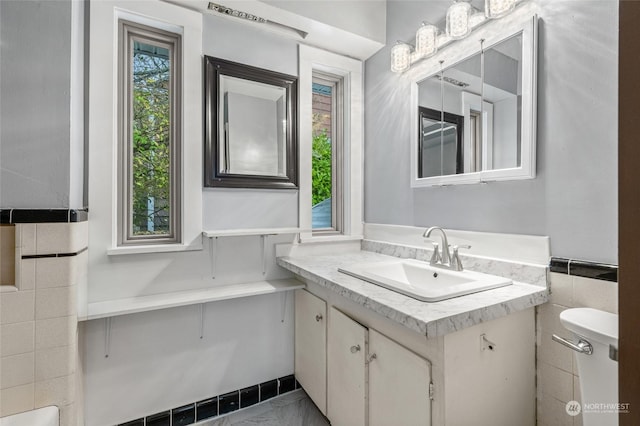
x: 355, y: 349
x: 372, y: 357
x: 319, y: 317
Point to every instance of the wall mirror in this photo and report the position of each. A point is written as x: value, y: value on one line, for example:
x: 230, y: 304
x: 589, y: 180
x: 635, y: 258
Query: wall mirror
x: 250, y: 126
x: 475, y: 110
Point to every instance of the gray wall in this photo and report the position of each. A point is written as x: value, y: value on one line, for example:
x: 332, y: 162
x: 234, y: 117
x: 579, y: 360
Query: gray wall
x: 249, y: 208
x: 365, y: 18
x: 574, y: 196
x: 38, y: 167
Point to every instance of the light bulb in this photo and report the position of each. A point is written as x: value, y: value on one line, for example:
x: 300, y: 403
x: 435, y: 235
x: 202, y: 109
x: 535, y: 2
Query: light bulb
x: 426, y: 40
x: 400, y: 57
x: 497, y: 8
x: 458, y: 25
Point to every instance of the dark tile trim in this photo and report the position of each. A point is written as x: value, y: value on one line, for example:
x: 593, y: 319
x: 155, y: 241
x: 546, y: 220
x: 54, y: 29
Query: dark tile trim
x: 598, y: 271
x: 43, y: 215
x: 286, y: 384
x: 232, y: 401
x: 582, y: 268
x: 249, y: 396
x: 268, y: 389
x: 559, y: 265
x: 39, y: 256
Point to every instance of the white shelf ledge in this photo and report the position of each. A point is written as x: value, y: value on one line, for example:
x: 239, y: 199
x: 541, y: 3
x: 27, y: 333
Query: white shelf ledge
x: 263, y: 233
x: 112, y: 308
x: 247, y: 232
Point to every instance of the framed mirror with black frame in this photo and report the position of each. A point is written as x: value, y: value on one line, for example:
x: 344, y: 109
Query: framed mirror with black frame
x: 250, y: 126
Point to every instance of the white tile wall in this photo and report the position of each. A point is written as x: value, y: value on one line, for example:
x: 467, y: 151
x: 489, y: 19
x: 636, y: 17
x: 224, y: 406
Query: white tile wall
x: 61, y: 237
x: 56, y: 271
x: 17, y: 338
x: 558, y: 381
x: 55, y: 332
x: 16, y: 399
x: 26, y: 238
x: 56, y: 302
x: 26, y: 280
x: 16, y: 370
x: 55, y: 362
x: 17, y: 306
x: 38, y: 323
x: 58, y: 391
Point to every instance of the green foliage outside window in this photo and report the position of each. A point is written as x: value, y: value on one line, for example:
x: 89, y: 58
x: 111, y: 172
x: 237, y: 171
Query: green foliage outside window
x: 151, y: 144
x: 321, y: 168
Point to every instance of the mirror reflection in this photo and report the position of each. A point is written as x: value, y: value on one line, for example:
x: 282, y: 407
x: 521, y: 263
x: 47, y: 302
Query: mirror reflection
x: 469, y: 125
x: 440, y: 143
x: 254, y: 127
x: 503, y: 91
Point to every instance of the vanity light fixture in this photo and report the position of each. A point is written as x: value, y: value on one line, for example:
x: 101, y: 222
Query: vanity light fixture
x: 453, y: 81
x: 458, y: 19
x: 281, y: 28
x: 235, y: 13
x: 497, y: 8
x: 400, y: 57
x: 461, y: 19
x: 426, y: 40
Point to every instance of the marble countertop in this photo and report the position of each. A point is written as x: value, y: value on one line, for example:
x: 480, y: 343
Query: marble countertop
x: 430, y: 319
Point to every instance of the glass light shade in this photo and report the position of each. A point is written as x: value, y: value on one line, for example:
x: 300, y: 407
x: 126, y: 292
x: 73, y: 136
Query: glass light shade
x: 498, y: 8
x: 426, y: 40
x: 400, y: 57
x: 458, y: 25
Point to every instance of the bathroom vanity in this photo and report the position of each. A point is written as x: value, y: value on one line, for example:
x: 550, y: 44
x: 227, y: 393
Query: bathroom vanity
x: 367, y: 355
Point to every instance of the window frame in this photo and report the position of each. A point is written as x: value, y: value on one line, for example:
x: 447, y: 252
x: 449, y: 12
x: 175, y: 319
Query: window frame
x: 351, y: 71
x: 337, y: 151
x: 128, y: 32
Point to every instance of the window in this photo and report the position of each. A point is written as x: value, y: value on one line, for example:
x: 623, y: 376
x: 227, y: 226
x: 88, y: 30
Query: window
x: 330, y: 146
x: 149, y: 142
x: 327, y: 153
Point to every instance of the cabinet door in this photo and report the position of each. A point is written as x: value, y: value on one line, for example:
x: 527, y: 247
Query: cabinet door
x: 346, y: 369
x: 311, y: 346
x: 398, y: 384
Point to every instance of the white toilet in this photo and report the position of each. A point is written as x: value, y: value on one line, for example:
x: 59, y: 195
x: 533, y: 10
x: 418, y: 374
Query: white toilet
x: 596, y: 332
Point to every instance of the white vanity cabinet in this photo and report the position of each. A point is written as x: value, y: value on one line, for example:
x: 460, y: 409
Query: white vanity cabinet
x: 311, y: 346
x: 380, y: 373
x: 399, y: 384
x: 346, y: 370
x: 371, y: 380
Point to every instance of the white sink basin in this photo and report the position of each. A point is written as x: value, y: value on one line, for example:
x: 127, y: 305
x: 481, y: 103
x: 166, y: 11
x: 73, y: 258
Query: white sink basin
x: 422, y: 281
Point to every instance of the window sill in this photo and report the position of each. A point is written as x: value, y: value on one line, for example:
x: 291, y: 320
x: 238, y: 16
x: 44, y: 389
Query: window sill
x: 8, y: 288
x: 306, y: 239
x: 249, y: 232
x: 160, y: 248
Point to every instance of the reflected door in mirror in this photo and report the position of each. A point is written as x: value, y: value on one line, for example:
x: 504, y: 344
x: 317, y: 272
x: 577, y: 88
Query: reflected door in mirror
x: 440, y: 143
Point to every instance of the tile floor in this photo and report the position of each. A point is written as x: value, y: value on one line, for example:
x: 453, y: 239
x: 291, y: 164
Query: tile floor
x: 292, y: 409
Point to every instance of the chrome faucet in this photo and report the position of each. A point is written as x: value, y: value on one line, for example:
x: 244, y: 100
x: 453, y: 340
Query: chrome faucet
x: 437, y: 258
x: 446, y: 259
